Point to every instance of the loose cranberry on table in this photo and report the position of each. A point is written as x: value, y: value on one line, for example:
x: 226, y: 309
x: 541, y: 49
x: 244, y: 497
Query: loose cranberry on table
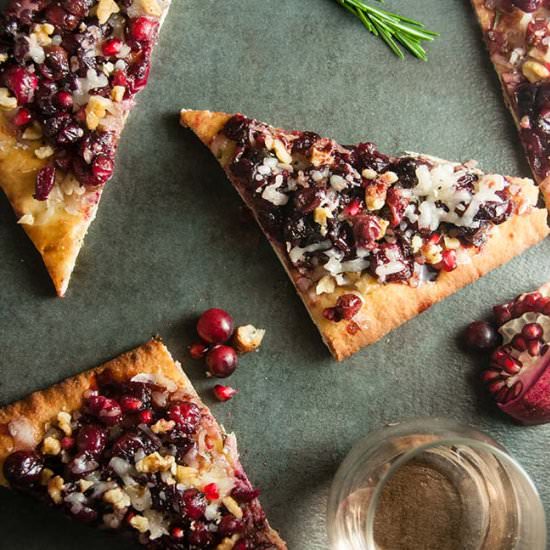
x: 518, y: 375
x: 215, y: 326
x: 222, y: 361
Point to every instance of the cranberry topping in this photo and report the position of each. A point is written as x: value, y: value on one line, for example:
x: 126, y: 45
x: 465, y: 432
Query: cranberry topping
x: 22, y: 84
x: 527, y: 6
x: 45, y: 181
x: 22, y: 117
x: 92, y: 439
x: 193, y: 504
x: 186, y: 415
x: 222, y: 361
x: 481, y: 336
x: 347, y: 306
x: 215, y: 326
x: 23, y: 468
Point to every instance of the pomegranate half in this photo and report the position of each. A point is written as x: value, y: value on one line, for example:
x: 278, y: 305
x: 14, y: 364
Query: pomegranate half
x: 518, y: 376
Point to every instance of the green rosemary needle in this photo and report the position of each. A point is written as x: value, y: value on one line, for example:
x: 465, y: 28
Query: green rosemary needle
x: 394, y: 29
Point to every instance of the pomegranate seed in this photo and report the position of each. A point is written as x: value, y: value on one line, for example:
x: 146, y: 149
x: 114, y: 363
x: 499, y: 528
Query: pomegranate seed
x: 186, y: 415
x: 143, y: 28
x: 211, y: 491
x: 519, y: 342
x: 229, y: 525
x: 222, y: 361
x: 241, y: 544
x: 22, y: 117
x: 119, y: 78
x: 197, y: 350
x: 502, y: 395
x: 146, y: 416
x: 532, y: 331
x: 352, y: 209
x: 531, y: 299
x: 490, y: 375
x: 502, y: 314
x: 67, y: 443
x: 111, y: 47
x: 64, y: 99
x: 510, y: 365
x: 517, y: 388
x: 542, y: 304
x: 496, y: 386
x: 177, y: 532
x: 215, y: 326
x: 45, y: 180
x: 130, y: 404
x: 534, y: 348
x: 449, y: 262
x: 480, y: 336
x: 224, y: 393
x: 434, y: 239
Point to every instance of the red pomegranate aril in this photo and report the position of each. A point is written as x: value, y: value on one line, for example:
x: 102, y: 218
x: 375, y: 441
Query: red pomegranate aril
x: 64, y: 99
x: 495, y: 387
x: 502, y: 395
x: 534, y: 347
x: 119, y: 78
x: 198, y: 350
x: 510, y: 365
x: 449, y: 262
x: 111, y: 47
x: 22, y: 117
x: 143, y: 28
x: 531, y: 300
x: 517, y: 388
x: 502, y: 314
x: 211, y: 491
x: 146, y: 416
x: 519, y: 342
x: 353, y: 208
x: 480, y: 336
x: 224, y: 393
x: 532, y: 331
x: 130, y: 404
x: 490, y: 375
x: 177, y: 533
x: 45, y: 180
x: 215, y: 326
x: 222, y: 361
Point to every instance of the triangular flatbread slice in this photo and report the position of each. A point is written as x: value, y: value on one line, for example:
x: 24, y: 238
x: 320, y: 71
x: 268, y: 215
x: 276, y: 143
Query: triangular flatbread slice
x: 370, y: 240
x: 129, y: 446
x: 69, y: 73
x: 516, y: 34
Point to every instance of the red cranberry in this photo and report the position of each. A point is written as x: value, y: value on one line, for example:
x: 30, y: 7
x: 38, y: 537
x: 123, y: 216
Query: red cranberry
x: 70, y: 133
x: 222, y: 361
x: 67, y: 443
x: 532, y: 331
x: 198, y: 350
x: 481, y: 336
x: 215, y: 326
x: 367, y: 230
x: 22, y: 84
x: 23, y: 468
x: 244, y: 492
x: 449, y: 262
x: 211, y: 491
x: 224, y: 393
x: 80, y: 8
x: 527, y: 6
x: 129, y: 443
x: 242, y: 544
x: 92, y: 439
x: 119, y: 78
x: 45, y: 180
x: 194, y: 503
x: 347, y: 306
x: 237, y: 128
x: 111, y: 47
x: 64, y: 99
x: 60, y: 18
x: 22, y: 117
x: 130, y: 404
x: 186, y: 415
x: 229, y: 525
x: 106, y: 409
x: 102, y: 169
x: 56, y: 64
x: 143, y: 29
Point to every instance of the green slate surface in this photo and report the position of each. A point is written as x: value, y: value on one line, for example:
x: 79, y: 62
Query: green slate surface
x: 170, y: 241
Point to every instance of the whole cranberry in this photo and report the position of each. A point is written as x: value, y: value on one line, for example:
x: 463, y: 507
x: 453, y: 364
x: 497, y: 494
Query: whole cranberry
x: 481, y: 336
x: 23, y: 468
x: 64, y: 99
x: 106, y: 409
x: 229, y: 525
x: 60, y: 18
x: 102, y: 169
x: 45, y: 180
x: 215, y: 326
x: 92, y: 439
x: 200, y: 536
x: 222, y: 361
x: 22, y: 117
x: 22, y: 84
x: 186, y: 415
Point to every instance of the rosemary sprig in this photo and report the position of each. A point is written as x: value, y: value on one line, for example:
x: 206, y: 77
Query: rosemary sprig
x: 394, y: 29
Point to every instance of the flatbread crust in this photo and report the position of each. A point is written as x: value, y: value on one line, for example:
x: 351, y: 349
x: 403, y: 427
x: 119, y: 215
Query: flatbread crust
x: 42, y: 407
x: 387, y: 306
x: 56, y: 232
x: 486, y: 17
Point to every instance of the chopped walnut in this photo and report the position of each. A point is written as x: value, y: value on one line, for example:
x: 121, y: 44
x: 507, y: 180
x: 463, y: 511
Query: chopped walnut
x: 33, y: 132
x: 7, y: 102
x: 326, y: 285
x: 84, y: 485
x: 105, y: 9
x: 156, y: 463
x: 248, y: 338
x: 186, y: 475
x: 151, y: 7
x: 140, y: 523
x: 228, y: 543
x: 55, y: 488
x: 163, y: 426
x: 231, y: 504
x: 64, y: 423
x: 117, y: 93
x: 44, y: 152
x: 535, y: 71
x: 96, y: 110
x: 51, y: 446
x: 117, y: 497
x: 45, y: 475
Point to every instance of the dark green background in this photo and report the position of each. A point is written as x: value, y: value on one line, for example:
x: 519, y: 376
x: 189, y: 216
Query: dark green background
x: 169, y: 242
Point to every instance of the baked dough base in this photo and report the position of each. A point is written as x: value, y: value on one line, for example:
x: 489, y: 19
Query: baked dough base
x: 387, y: 306
x: 42, y: 407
